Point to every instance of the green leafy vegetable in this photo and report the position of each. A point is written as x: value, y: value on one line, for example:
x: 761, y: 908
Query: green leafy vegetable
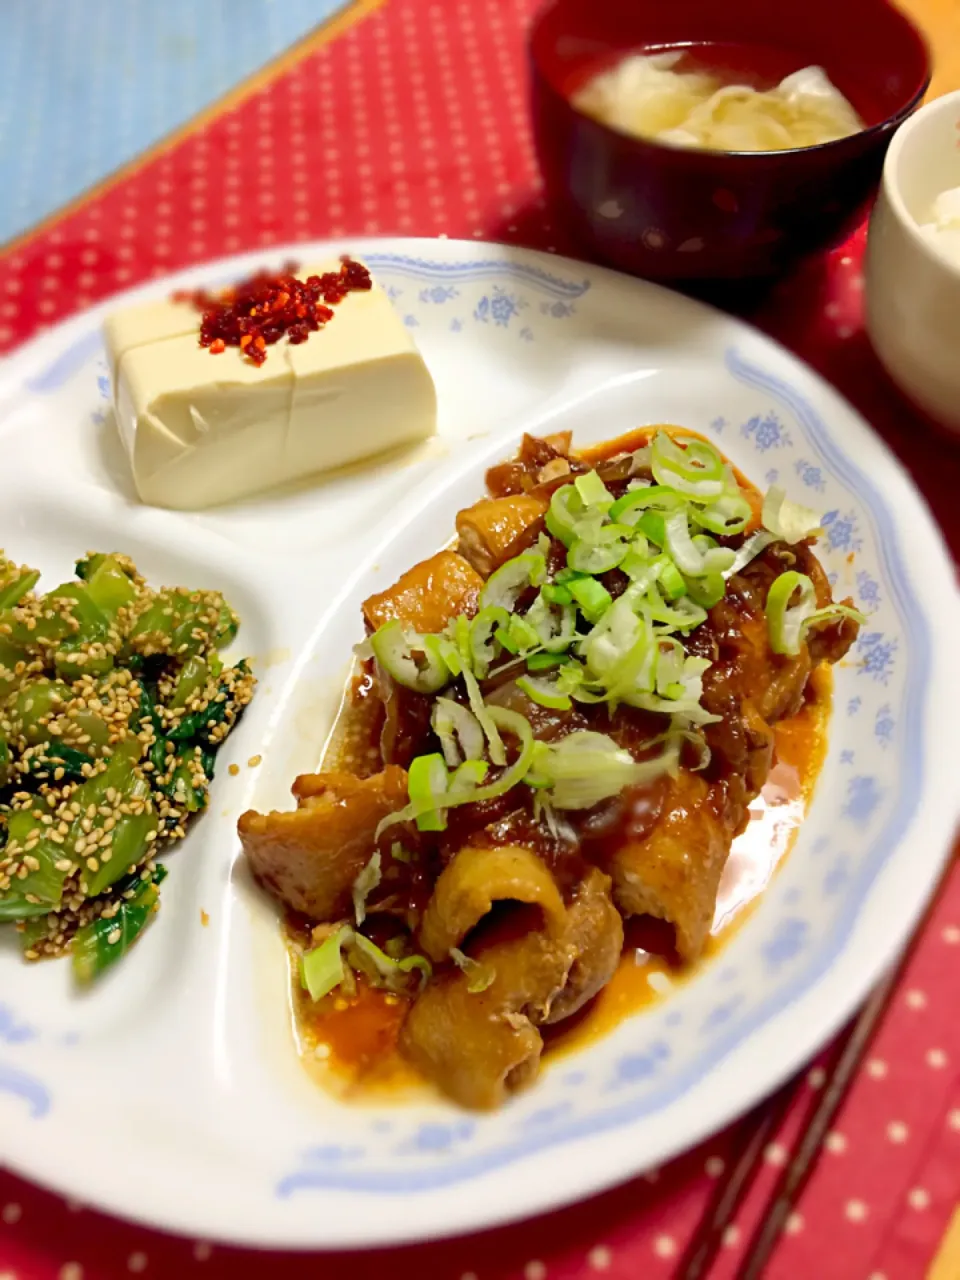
x: 99, y: 945
x: 479, y: 976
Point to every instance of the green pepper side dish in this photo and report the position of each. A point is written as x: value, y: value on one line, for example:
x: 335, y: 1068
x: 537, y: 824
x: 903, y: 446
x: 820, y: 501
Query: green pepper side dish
x: 114, y: 702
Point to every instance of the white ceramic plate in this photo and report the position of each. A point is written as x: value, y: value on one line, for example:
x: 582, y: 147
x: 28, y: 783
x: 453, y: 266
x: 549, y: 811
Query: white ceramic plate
x: 172, y: 1093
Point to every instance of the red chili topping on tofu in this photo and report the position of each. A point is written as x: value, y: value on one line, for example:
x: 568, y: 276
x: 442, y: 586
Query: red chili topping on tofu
x: 256, y: 313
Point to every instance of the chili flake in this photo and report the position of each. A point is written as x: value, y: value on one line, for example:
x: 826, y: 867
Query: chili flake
x: 257, y: 312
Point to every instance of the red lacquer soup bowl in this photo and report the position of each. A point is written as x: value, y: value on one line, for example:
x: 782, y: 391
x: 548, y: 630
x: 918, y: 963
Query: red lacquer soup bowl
x: 673, y: 213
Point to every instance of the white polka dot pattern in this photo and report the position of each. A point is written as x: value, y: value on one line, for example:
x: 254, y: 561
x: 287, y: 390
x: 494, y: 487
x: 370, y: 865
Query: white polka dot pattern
x: 321, y: 151
x: 415, y: 122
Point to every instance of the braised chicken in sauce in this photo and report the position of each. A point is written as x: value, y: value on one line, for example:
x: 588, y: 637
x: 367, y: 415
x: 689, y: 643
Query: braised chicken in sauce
x: 555, y: 733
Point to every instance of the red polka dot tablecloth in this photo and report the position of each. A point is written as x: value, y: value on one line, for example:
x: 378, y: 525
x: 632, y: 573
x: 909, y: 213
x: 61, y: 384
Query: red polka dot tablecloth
x: 411, y: 119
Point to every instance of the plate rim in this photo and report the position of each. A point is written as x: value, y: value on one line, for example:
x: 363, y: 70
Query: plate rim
x: 37, y: 350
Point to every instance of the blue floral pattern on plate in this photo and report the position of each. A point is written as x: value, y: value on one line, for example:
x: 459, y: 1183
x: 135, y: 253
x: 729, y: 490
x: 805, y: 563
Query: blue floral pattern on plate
x: 653, y: 1062
x: 876, y: 804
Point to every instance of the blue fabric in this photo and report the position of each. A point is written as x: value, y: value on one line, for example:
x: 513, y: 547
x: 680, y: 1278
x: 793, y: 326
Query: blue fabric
x: 86, y: 85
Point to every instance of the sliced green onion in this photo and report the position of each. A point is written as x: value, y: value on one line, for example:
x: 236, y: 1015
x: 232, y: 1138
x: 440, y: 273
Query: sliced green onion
x: 322, y: 969
x: 442, y: 649
x: 518, y: 636
x: 459, y: 633
x: 505, y: 585
x: 555, y: 628
x: 555, y: 595
x: 751, y: 548
x: 470, y: 774
x: 658, y: 497
x: 788, y: 623
x: 410, y: 964
x: 592, y: 597
x: 640, y: 566
x: 482, y: 646
x: 427, y: 783
x: 396, y: 651
x: 565, y: 513
x: 399, y: 853
x: 729, y: 515
x: 696, y: 469
x: 670, y: 659
x: 585, y: 768
x: 599, y: 552
x: 572, y: 679
x: 672, y: 581
x: 682, y: 703
x: 364, y: 885
x: 569, y: 517
x: 544, y: 693
x: 785, y: 621
x: 612, y: 639
x: 391, y: 969
x: 545, y: 661
x: 689, y: 559
x: 831, y: 612
x: 593, y: 492
x: 459, y: 731
x: 479, y: 976
x: 651, y: 524
x: 503, y: 718
x: 706, y: 590
x: 634, y: 671
x: 790, y: 521
x: 482, y: 712
x: 683, y: 614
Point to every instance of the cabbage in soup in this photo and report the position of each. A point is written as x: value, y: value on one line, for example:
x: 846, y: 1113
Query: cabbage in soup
x: 668, y: 97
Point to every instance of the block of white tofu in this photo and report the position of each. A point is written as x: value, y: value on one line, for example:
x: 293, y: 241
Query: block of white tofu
x: 203, y: 429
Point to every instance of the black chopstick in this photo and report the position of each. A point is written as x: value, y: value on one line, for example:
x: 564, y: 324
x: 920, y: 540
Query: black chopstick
x: 796, y: 1174
x: 765, y: 1119
x: 752, y: 1135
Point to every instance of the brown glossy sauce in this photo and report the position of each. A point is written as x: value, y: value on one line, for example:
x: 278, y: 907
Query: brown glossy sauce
x: 646, y: 973
x: 350, y: 1043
